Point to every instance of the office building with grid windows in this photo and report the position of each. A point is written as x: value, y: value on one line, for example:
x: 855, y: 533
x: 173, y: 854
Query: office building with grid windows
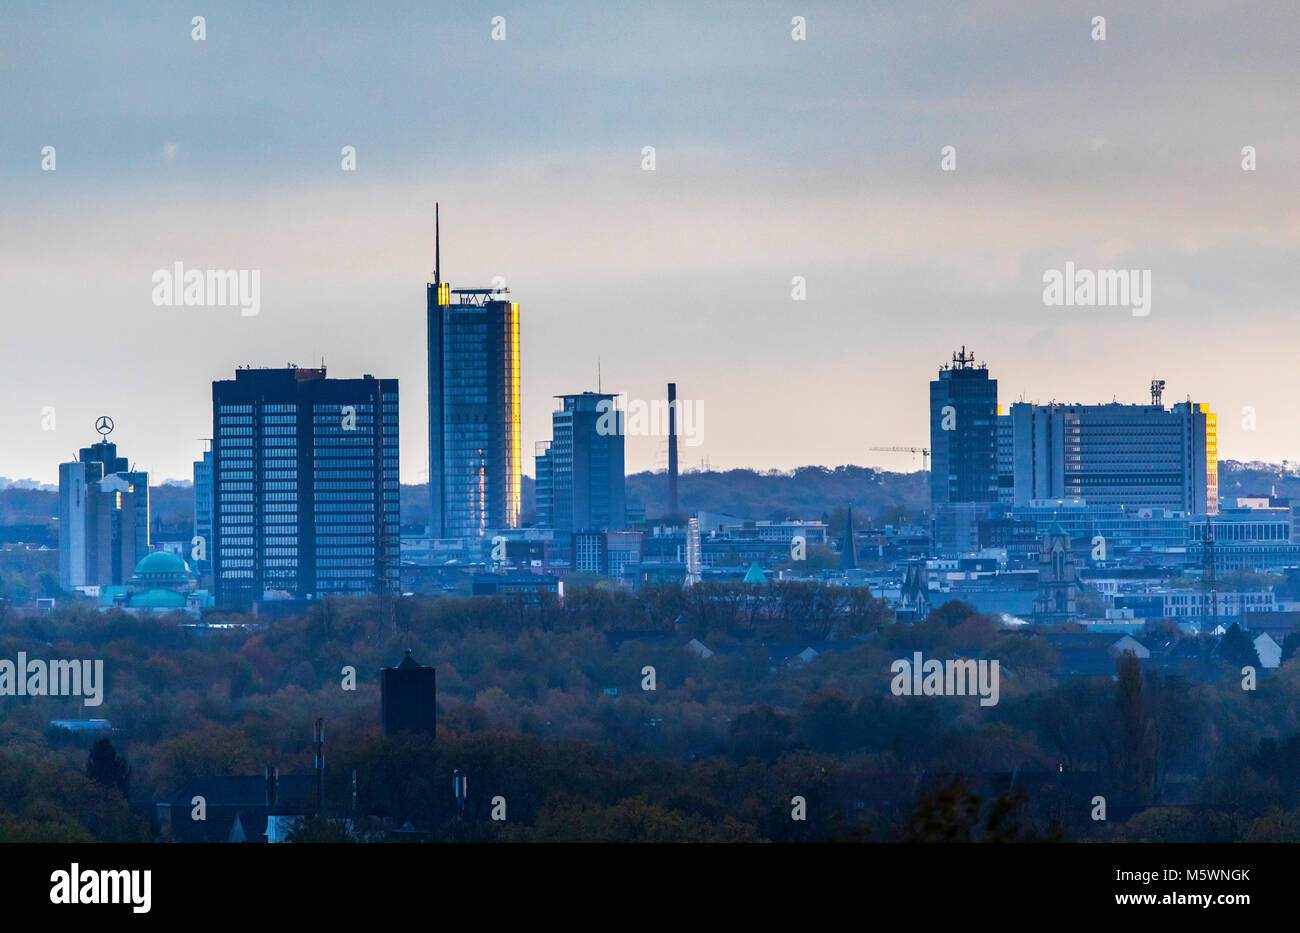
x: 581, y: 482
x: 1114, y: 454
x: 305, y: 485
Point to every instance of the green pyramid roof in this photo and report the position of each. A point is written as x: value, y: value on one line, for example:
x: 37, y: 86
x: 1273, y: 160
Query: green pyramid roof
x: 755, y: 575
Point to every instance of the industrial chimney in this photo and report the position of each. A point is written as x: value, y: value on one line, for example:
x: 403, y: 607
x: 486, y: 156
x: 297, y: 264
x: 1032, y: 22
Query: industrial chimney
x: 672, y: 448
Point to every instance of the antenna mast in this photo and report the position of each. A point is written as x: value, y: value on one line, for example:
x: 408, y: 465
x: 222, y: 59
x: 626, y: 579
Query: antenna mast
x: 1157, y: 391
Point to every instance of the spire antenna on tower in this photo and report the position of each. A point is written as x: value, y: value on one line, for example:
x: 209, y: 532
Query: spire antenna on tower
x: 437, y: 248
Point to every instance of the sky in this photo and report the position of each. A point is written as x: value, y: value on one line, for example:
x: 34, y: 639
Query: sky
x: 774, y: 158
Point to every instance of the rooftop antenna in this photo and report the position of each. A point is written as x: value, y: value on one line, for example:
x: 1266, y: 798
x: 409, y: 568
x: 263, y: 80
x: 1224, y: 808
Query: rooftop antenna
x: 599, y: 389
x: 1157, y: 392
x: 437, y: 248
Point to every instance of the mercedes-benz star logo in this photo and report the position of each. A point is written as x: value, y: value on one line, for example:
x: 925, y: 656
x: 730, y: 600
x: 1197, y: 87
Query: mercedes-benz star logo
x: 104, y: 425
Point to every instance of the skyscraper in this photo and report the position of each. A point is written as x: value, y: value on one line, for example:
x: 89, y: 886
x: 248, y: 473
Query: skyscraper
x: 474, y: 430
x: 202, y: 560
x: 305, y: 476
x: 963, y: 434
x: 580, y: 476
x: 103, y: 516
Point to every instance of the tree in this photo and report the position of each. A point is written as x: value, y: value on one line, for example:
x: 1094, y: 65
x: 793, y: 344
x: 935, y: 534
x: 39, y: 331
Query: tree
x: 105, y: 767
x: 1237, y: 649
x: 1176, y: 726
x: 759, y: 733
x: 319, y: 829
x: 1130, y: 741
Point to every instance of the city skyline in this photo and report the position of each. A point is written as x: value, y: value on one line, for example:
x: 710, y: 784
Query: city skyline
x: 1056, y: 163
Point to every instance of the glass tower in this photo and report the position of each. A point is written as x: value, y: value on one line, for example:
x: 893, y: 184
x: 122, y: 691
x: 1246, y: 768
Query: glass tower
x: 474, y: 431
x: 580, y: 474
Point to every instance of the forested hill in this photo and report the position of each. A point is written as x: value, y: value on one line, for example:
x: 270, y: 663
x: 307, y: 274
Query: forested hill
x: 807, y: 492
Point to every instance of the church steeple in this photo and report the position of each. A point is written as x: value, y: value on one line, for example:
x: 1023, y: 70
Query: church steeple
x: 849, y: 551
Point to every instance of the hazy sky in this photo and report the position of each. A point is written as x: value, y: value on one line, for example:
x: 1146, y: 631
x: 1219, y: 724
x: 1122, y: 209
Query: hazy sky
x: 775, y: 158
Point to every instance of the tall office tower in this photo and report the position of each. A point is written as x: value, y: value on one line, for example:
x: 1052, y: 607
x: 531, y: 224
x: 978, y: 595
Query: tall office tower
x: 1140, y: 456
x: 544, y: 501
x: 963, y: 434
x: 94, y: 489
x: 580, y: 476
x: 305, y: 476
x: 1201, y: 438
x: 474, y: 431
x: 74, y: 479
x: 1006, y: 459
x: 105, y: 453
x: 202, y: 561
x: 112, y: 535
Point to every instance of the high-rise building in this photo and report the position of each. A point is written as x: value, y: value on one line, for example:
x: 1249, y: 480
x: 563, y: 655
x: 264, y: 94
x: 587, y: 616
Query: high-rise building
x: 74, y: 480
x: 105, y: 453
x: 581, y: 484
x: 112, y: 535
x: 202, y: 560
x: 103, y: 516
x: 1006, y: 459
x: 543, y: 503
x: 474, y: 428
x: 963, y: 433
x: 1142, y: 456
x: 305, y: 480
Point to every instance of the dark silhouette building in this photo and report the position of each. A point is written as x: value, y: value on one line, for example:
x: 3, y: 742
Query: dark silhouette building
x: 305, y: 485
x: 849, y: 550
x: 409, y: 698
x: 963, y: 433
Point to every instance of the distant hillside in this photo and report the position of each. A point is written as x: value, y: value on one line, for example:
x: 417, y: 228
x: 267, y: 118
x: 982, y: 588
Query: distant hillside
x: 172, y: 504
x: 807, y: 492
x: 28, y: 506
x: 1242, y: 479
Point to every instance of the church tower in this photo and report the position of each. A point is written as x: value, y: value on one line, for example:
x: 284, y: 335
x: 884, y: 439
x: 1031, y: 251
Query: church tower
x: 1058, y: 579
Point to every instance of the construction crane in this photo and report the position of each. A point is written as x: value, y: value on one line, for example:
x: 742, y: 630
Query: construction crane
x: 923, y: 451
